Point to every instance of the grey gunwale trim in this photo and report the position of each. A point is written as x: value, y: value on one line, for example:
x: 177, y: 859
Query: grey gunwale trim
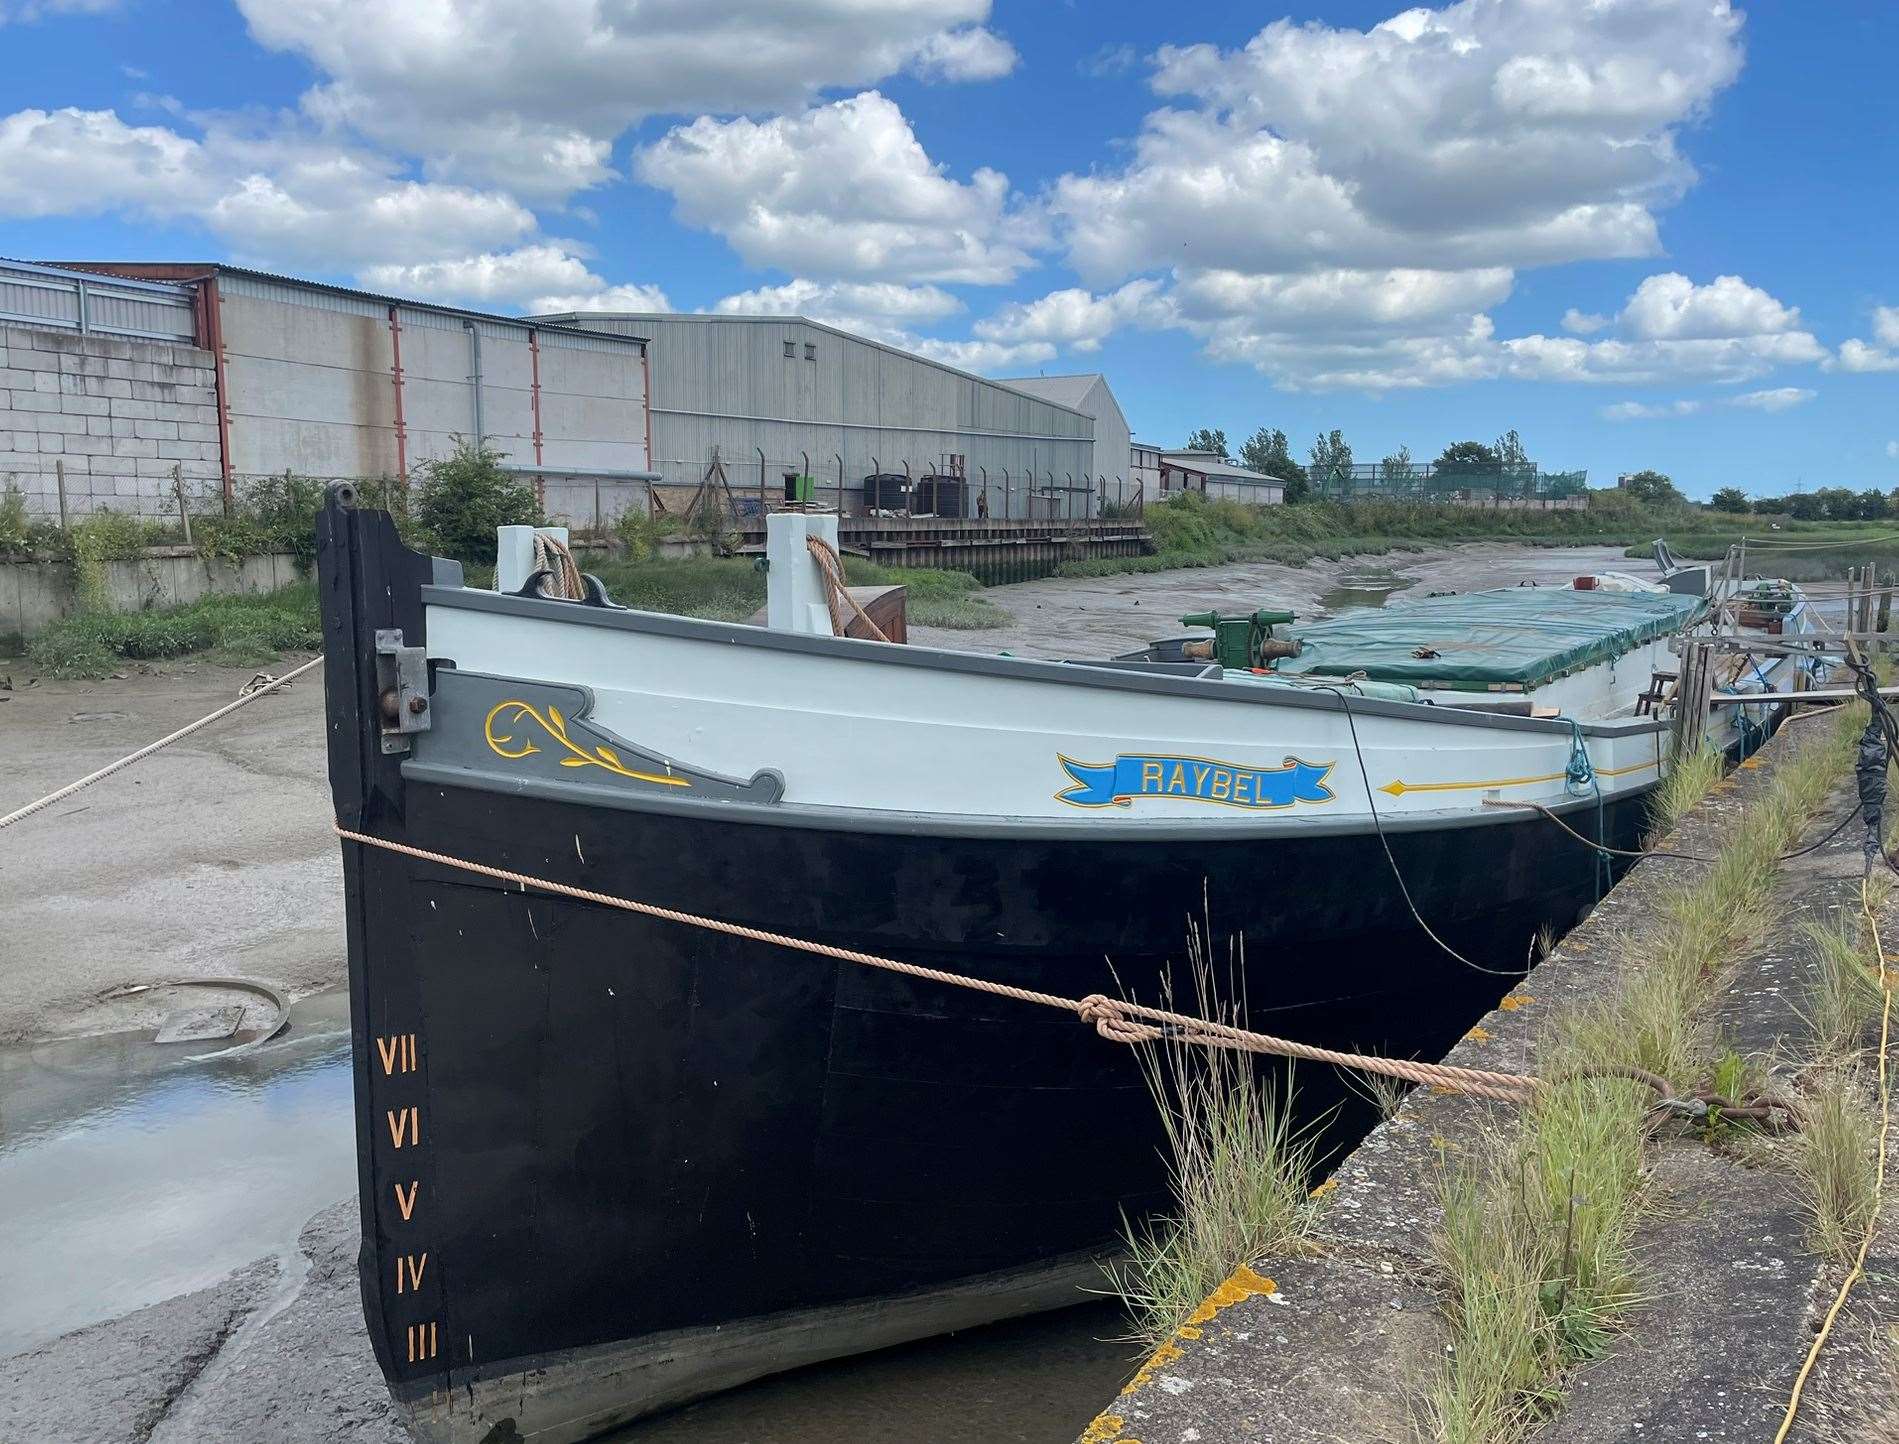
x: 1286, y: 828
x: 1025, y: 668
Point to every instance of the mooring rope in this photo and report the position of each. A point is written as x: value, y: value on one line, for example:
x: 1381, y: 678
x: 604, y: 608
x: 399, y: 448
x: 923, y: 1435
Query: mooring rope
x: 1116, y: 1019
x: 252, y: 691
x: 825, y: 555
x: 553, y: 556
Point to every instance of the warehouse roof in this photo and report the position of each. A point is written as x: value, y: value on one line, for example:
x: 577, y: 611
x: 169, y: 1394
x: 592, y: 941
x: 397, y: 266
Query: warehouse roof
x: 197, y: 270
x: 1068, y: 391
x: 1210, y: 463
x: 577, y: 318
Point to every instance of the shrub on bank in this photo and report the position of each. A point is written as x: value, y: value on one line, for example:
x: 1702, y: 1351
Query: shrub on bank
x: 458, y: 501
x: 1190, y: 530
x: 236, y: 631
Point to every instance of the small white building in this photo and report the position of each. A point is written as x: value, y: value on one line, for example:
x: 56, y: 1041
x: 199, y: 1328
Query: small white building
x: 1217, y: 477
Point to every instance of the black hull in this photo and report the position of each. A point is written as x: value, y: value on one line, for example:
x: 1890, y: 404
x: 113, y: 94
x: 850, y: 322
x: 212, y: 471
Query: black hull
x: 592, y: 1128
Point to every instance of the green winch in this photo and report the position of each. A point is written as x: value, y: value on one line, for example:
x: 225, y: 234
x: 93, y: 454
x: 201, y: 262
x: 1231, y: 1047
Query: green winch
x: 1241, y: 642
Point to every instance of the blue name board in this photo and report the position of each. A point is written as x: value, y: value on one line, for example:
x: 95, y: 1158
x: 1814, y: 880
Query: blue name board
x: 1196, y: 779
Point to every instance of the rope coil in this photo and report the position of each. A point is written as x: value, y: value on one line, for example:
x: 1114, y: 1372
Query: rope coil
x: 825, y: 555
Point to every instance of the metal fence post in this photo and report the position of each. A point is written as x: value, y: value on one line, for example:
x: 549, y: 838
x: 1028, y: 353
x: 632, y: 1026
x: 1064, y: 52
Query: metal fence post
x: 59, y: 480
x: 840, y: 487
x: 763, y: 505
x: 178, y: 491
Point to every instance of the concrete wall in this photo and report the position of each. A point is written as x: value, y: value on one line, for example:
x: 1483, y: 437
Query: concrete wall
x: 118, y: 413
x: 728, y: 382
x: 32, y: 594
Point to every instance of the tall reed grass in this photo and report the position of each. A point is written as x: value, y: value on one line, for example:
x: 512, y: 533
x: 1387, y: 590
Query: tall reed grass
x: 1239, y: 1169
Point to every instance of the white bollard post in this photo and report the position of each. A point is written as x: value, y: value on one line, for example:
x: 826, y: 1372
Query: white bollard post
x: 795, y: 598
x: 514, y: 554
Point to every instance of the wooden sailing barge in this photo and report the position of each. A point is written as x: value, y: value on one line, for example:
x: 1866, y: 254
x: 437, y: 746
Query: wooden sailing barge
x: 610, y: 1163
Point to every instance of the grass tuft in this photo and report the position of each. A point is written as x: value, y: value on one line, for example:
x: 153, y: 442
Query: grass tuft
x: 1240, y: 1171
x: 1536, y: 1246
x: 1845, y: 999
x: 235, y: 630
x: 1836, y: 1157
x: 1536, y: 1249
x: 1688, y: 781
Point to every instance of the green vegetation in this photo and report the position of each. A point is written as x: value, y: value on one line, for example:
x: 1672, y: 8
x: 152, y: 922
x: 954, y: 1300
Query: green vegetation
x: 1800, y: 551
x: 1536, y: 1245
x: 1688, y: 781
x: 1191, y: 531
x: 1845, y: 1000
x: 1240, y: 1171
x: 1836, y: 1155
x: 1536, y: 1250
x: 459, y: 500
x: 235, y: 631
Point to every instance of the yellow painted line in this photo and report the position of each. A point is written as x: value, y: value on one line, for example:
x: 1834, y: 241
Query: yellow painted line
x: 1398, y: 788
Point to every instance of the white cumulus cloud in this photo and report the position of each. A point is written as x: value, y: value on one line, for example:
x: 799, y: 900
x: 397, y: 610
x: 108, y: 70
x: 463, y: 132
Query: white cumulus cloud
x: 622, y: 297
x: 279, y: 198
x: 841, y: 191
x: 533, y: 96
x: 1780, y: 398
x: 1648, y: 411
x: 1672, y: 307
x: 1881, y: 354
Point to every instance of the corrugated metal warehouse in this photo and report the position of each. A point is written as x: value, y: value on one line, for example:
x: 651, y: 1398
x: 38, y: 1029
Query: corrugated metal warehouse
x: 782, y: 396
x: 225, y: 373
x: 1090, y: 393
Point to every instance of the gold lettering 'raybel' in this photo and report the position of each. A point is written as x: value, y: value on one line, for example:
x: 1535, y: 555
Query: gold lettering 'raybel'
x: 421, y: 1342
x: 407, y: 1205
x: 397, y: 1052
x: 404, y: 1126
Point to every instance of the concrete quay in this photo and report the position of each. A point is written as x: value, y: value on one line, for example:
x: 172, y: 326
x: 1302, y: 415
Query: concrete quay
x: 1337, y: 1343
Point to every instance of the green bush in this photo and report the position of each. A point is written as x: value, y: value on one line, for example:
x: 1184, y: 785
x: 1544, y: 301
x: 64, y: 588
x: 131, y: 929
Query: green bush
x: 236, y: 630
x: 640, y: 534
x: 15, y: 531
x: 461, y: 499
x: 1189, y: 530
x: 269, y: 514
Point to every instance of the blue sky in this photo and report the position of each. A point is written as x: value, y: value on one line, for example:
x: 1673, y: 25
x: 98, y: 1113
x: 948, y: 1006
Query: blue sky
x: 1641, y: 232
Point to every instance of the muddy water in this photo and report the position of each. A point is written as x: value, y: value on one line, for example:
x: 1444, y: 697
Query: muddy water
x: 129, y: 1175
x: 1100, y: 616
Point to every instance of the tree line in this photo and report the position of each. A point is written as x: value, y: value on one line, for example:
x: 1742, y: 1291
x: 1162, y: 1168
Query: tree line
x: 1329, y: 459
x: 1829, y: 503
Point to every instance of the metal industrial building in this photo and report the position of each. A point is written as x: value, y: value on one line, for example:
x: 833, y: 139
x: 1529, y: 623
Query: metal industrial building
x: 782, y: 397
x: 1090, y: 393
x: 120, y: 376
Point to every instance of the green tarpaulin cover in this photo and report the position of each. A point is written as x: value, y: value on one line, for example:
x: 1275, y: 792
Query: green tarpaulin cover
x: 1519, y: 636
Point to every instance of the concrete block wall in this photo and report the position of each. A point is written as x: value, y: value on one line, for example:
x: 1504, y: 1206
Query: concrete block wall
x: 118, y: 414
